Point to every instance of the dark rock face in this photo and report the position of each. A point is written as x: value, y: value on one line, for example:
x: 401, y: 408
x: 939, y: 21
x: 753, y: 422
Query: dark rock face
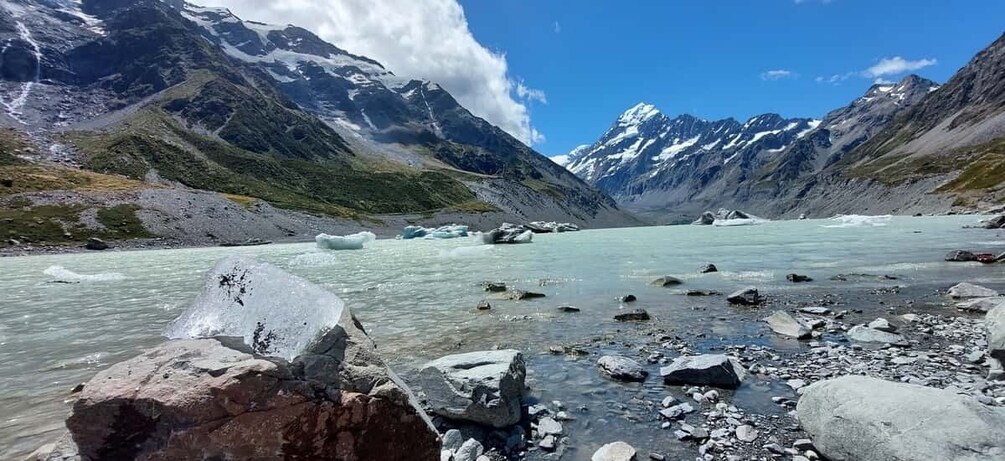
x: 637, y: 315
x: 796, y: 278
x: 746, y: 297
x: 708, y: 268
x: 96, y: 244
x: 711, y: 370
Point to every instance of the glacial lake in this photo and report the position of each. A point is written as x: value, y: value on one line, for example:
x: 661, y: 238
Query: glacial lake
x: 417, y: 299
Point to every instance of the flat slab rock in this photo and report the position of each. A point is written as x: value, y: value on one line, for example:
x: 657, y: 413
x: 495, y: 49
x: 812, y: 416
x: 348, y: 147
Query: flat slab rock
x: 968, y: 290
x: 622, y: 368
x: 866, y: 419
x: 786, y: 325
x: 483, y: 387
x: 864, y: 334
x: 711, y: 370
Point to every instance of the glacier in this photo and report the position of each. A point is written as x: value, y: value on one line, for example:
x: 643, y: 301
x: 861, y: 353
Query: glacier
x: 273, y: 312
x: 345, y: 242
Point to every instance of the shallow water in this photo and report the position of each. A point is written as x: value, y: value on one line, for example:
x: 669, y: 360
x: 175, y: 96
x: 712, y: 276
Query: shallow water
x: 417, y: 298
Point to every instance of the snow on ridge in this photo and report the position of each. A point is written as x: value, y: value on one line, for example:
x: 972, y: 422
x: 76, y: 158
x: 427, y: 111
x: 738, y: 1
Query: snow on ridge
x: 638, y: 114
x: 677, y: 147
x: 812, y: 125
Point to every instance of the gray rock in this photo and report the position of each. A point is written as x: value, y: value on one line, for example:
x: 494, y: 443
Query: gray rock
x: 495, y: 287
x: 786, y: 325
x: 867, y: 419
x: 677, y: 411
x: 549, y: 426
x: 961, y: 256
x: 745, y: 297
x: 882, y: 324
x: 864, y: 334
x: 995, y: 322
x: 816, y: 310
x: 622, y: 368
x: 969, y: 290
x: 713, y: 370
x: 666, y: 281
x: 637, y: 315
x: 547, y: 443
x: 706, y: 219
x: 483, y: 306
x: 452, y: 440
x: 628, y: 299
x: 980, y: 305
x: 469, y: 451
x: 568, y: 309
x: 707, y: 269
x: 482, y: 387
x: 615, y: 451
x: 746, y: 433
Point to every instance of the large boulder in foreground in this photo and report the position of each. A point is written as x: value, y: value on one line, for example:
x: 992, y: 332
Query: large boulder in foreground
x: 711, y: 370
x: 856, y: 418
x: 237, y: 396
x: 995, y: 321
x: 485, y: 387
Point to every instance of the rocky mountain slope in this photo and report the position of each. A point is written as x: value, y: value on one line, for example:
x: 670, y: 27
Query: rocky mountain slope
x: 170, y: 96
x: 912, y: 146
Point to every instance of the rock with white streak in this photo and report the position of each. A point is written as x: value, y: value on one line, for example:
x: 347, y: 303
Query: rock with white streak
x: 482, y: 387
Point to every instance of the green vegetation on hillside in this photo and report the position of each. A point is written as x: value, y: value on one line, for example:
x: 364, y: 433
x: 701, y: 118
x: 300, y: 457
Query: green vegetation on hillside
x: 156, y: 141
x: 61, y: 224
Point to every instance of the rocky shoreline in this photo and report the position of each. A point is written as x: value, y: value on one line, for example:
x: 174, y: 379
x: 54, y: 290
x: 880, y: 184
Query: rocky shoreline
x: 669, y: 388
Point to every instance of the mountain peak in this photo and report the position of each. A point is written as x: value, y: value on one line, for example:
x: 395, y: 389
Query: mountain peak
x: 638, y: 113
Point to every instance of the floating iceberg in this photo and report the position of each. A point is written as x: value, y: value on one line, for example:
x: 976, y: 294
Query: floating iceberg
x: 274, y: 312
x: 61, y: 274
x: 347, y: 242
x: 734, y: 222
x: 541, y: 227
x: 842, y: 221
x: 508, y: 233
x: 443, y: 232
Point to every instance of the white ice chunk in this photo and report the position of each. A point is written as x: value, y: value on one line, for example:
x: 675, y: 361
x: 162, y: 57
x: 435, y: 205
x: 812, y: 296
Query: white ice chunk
x: 843, y: 221
x: 61, y: 274
x: 347, y: 242
x: 444, y: 232
x: 276, y: 313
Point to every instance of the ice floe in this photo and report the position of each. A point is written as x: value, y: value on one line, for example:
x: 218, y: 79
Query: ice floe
x: 345, y: 242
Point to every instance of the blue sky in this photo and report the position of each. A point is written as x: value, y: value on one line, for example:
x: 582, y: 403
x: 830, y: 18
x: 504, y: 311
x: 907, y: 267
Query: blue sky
x: 594, y: 59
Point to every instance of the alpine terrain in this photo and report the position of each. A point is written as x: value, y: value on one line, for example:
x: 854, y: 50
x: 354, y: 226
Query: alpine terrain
x: 143, y: 118
x: 904, y: 147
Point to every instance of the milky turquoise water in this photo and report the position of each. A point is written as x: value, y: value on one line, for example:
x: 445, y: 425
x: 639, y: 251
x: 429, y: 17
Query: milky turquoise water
x: 417, y: 298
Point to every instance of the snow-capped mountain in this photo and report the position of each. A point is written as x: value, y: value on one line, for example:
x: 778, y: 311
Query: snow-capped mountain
x: 646, y: 151
x: 178, y: 94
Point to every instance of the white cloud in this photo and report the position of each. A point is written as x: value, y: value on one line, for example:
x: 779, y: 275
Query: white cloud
x: 427, y: 39
x: 777, y: 74
x: 530, y: 94
x: 883, y: 81
x: 557, y: 27
x: 886, y: 67
x: 896, y: 65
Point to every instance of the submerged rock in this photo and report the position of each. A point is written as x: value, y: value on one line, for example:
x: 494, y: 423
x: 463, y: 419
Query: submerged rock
x: 221, y: 398
x: 864, y: 334
x: 666, y: 281
x: 712, y: 370
x: 637, y: 315
x: 969, y: 290
x: 867, y: 419
x: 622, y: 368
x: 494, y: 287
x: 745, y: 297
x: 796, y: 278
x: 616, y: 451
x: 787, y: 325
x: 481, y: 387
x: 707, y: 269
x: 961, y: 256
x: 628, y: 299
